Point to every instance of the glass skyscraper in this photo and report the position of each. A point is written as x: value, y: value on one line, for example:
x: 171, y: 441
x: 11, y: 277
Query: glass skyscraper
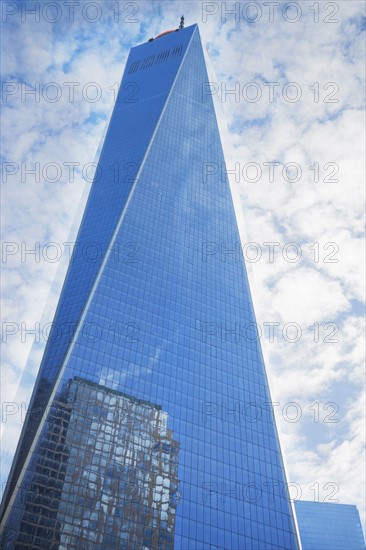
x: 150, y: 425
x: 329, y: 526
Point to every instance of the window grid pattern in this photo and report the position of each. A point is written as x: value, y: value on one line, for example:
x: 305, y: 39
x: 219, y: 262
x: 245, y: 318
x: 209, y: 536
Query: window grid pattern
x: 153, y: 344
x: 329, y: 526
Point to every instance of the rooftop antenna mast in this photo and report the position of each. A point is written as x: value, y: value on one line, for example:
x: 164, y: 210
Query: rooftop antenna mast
x: 181, y: 25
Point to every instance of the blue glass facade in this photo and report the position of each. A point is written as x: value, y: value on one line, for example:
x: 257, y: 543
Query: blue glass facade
x: 162, y: 328
x: 327, y: 526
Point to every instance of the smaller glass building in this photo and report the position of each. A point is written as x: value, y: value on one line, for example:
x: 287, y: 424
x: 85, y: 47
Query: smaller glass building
x: 326, y: 526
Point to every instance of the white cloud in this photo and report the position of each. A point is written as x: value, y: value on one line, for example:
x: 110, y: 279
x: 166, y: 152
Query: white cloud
x: 306, y: 295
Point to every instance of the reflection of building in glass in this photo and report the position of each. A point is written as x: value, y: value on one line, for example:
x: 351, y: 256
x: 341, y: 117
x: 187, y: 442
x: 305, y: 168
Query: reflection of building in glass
x: 329, y: 526
x: 105, y: 477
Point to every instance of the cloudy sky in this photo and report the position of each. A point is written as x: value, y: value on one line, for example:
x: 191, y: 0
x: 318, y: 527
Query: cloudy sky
x: 290, y: 79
